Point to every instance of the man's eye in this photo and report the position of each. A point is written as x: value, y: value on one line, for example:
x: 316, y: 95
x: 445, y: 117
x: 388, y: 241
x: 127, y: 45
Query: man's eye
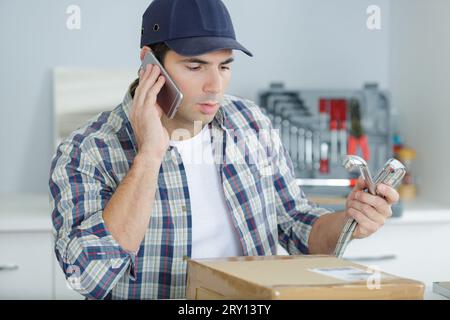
x: 225, y: 68
x: 193, y: 68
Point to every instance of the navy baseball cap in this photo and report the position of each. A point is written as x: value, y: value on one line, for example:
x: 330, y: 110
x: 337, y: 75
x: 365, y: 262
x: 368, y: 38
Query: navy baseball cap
x: 190, y: 27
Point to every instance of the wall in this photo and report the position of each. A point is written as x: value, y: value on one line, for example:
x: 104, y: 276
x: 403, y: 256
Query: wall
x: 420, y: 51
x: 306, y: 43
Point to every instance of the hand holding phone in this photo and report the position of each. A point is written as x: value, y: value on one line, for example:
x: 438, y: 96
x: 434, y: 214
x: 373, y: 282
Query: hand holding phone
x: 151, y: 137
x: 170, y: 96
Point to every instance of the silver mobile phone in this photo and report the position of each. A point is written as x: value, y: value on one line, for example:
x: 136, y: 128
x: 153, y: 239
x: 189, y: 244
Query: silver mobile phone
x: 170, y: 96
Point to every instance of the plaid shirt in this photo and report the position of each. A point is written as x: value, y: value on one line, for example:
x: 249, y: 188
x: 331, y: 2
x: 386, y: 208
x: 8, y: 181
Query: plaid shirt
x: 262, y: 196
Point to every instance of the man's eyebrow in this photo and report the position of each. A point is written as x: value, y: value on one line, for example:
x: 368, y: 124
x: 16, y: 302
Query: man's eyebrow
x: 200, y: 61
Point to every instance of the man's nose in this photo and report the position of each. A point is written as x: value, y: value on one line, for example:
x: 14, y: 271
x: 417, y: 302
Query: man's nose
x: 214, y: 83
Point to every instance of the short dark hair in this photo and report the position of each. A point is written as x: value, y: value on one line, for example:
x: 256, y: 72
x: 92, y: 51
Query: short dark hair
x: 160, y: 50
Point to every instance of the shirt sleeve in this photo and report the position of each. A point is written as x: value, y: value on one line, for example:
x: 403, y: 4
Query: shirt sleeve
x: 90, y: 258
x: 296, y: 214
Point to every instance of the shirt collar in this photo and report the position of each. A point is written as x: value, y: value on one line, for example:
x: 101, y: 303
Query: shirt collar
x: 219, y: 118
x: 126, y: 104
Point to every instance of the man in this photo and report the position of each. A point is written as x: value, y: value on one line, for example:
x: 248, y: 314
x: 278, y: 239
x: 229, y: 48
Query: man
x: 130, y: 205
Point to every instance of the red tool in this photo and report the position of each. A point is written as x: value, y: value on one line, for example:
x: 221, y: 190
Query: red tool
x: 357, y: 136
x: 342, y: 126
x: 334, y: 116
x: 324, y: 113
x: 324, y: 168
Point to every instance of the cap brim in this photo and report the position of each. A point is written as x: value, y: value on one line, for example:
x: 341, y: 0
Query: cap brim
x: 200, y: 45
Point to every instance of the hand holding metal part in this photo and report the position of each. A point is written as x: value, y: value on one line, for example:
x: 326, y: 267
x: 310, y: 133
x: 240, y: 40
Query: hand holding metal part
x: 370, y: 211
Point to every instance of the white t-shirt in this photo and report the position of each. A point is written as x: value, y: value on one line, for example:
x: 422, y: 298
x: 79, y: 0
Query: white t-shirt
x: 213, y: 232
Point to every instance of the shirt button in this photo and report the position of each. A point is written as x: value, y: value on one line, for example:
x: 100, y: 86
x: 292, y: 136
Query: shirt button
x: 183, y: 208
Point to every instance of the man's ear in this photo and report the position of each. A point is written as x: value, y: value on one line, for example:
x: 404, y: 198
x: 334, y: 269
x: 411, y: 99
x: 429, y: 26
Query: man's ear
x: 144, y: 51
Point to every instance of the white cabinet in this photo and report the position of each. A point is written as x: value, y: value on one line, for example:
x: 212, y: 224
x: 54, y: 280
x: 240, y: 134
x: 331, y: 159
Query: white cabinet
x: 26, y: 269
x: 28, y: 266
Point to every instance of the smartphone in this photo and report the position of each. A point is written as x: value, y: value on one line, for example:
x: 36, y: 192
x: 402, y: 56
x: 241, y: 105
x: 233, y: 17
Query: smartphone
x: 170, y: 96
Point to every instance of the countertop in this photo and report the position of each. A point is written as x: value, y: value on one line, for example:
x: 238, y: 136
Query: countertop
x: 25, y: 212
x: 22, y: 212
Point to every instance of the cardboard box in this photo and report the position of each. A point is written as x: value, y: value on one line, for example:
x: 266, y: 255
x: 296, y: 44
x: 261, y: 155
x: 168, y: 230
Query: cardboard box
x: 294, y: 277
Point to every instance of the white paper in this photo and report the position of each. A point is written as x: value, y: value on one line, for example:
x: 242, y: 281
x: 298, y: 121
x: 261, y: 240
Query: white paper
x: 350, y: 274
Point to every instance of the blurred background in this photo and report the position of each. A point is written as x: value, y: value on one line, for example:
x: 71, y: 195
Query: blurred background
x: 65, y: 61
